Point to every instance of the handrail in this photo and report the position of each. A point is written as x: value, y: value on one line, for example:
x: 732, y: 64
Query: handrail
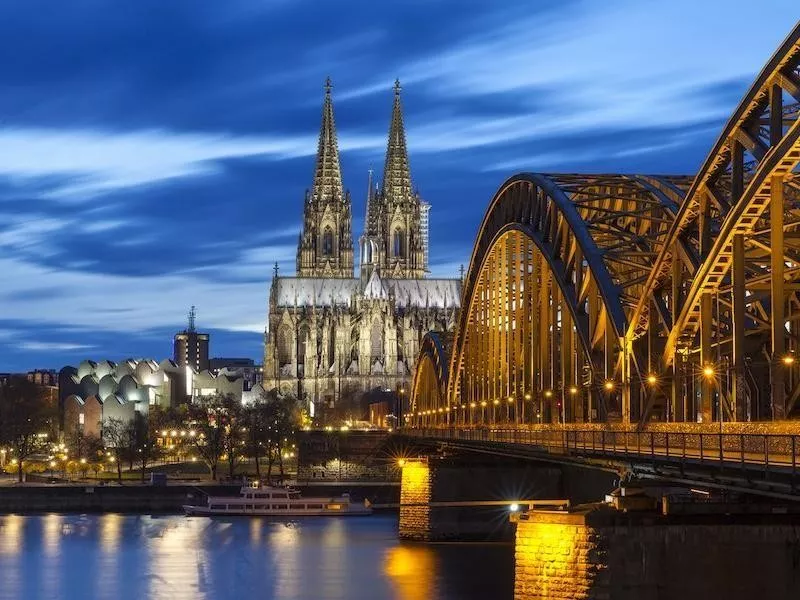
x: 768, y: 453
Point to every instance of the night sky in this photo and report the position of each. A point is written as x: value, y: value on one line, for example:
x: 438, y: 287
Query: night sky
x: 154, y: 154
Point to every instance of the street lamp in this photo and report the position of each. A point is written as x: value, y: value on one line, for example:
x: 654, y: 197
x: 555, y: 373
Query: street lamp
x: 788, y: 360
x: 483, y: 411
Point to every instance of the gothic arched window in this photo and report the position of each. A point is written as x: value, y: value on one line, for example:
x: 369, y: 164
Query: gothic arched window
x: 332, y: 345
x: 284, y: 345
x: 305, y: 336
x: 398, y: 243
x: 327, y: 242
x: 376, y: 340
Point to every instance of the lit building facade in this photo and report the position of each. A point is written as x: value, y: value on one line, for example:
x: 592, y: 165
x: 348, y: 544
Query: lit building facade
x: 190, y: 347
x: 332, y: 335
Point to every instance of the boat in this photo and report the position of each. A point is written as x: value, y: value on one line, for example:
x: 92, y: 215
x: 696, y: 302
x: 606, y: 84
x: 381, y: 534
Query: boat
x: 258, y: 500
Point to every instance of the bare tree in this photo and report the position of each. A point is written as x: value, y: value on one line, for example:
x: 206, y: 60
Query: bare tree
x: 256, y: 420
x: 27, y: 419
x: 208, y: 419
x: 117, y: 435
x: 282, y: 415
x: 143, y: 433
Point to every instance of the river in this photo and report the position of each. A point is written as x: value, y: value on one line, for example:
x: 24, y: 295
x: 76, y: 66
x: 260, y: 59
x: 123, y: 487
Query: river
x: 172, y: 557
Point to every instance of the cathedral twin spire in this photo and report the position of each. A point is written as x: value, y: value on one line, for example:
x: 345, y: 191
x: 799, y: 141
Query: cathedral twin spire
x: 391, y: 242
x: 328, y: 172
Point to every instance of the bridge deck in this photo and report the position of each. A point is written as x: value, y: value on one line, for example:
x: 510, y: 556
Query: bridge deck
x: 740, y: 459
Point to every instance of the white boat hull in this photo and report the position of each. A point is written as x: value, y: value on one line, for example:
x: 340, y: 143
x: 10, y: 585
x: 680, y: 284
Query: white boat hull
x: 205, y: 511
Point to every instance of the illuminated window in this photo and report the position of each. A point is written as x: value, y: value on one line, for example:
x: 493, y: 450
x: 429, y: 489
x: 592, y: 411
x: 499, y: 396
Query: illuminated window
x: 81, y: 418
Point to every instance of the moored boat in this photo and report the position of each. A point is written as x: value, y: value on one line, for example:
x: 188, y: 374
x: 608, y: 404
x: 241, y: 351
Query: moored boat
x: 257, y: 500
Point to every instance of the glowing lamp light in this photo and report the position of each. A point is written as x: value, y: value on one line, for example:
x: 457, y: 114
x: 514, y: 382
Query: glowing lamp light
x: 609, y: 385
x: 527, y: 396
x: 652, y: 379
x: 708, y: 370
x: 472, y: 405
x: 510, y: 399
x: 496, y: 402
x: 788, y: 360
x: 514, y: 507
x: 573, y: 390
x: 548, y: 394
x: 483, y: 404
x: 401, y: 462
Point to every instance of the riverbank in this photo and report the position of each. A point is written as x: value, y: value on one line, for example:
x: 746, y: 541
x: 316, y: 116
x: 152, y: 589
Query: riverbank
x: 72, y: 498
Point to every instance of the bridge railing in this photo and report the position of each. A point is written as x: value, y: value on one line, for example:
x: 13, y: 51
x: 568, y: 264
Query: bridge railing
x: 749, y: 452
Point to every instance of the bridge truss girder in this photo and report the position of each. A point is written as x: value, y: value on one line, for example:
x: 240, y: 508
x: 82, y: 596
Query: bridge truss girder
x: 643, y: 297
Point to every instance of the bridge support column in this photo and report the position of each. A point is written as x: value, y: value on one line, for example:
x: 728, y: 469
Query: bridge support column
x: 597, y: 554
x: 708, y: 370
x: 739, y: 392
x: 778, y: 304
x: 415, y: 493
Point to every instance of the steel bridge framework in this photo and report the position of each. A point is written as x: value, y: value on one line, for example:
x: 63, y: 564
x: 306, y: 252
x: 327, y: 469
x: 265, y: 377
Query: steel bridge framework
x: 601, y: 298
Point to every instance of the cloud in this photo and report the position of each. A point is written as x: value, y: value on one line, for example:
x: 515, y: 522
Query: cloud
x: 51, y: 346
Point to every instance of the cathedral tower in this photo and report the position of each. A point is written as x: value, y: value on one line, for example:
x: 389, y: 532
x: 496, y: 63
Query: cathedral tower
x: 393, y: 241
x: 325, y: 247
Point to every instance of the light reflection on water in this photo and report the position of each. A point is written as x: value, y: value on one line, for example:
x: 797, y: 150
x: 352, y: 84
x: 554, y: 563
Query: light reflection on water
x: 176, y: 558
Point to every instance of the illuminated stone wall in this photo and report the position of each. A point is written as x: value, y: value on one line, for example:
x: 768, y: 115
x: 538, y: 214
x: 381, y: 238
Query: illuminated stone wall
x: 415, y: 489
x: 601, y: 555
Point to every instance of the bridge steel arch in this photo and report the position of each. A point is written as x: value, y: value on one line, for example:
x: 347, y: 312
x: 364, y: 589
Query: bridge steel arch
x: 558, y: 264
x: 644, y: 297
x: 429, y: 387
x: 724, y: 287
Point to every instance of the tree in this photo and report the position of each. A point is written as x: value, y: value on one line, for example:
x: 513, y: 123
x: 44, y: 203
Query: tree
x: 208, y: 417
x: 144, y: 435
x: 282, y: 415
x: 27, y: 419
x: 256, y: 421
x: 118, y: 435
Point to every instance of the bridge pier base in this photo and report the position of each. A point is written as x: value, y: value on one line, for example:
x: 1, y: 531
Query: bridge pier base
x: 430, y: 486
x: 602, y: 553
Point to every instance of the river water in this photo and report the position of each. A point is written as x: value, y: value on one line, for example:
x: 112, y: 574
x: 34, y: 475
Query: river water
x: 172, y: 557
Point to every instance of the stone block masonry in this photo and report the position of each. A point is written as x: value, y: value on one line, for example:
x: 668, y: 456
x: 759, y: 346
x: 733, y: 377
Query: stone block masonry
x: 600, y: 554
x: 415, y: 492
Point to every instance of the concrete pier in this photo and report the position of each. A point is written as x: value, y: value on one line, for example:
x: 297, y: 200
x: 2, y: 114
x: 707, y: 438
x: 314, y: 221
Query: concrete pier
x: 599, y: 553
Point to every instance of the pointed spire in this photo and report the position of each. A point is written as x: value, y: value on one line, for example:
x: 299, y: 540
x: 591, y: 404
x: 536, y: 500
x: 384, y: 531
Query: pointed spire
x: 328, y: 173
x: 396, y: 172
x: 369, y: 201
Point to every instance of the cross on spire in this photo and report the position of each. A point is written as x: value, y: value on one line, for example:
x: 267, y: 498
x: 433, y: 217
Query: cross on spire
x: 275, y: 270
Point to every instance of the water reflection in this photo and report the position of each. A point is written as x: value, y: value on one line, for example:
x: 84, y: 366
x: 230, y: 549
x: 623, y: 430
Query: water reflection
x: 172, y: 558
x: 411, y: 570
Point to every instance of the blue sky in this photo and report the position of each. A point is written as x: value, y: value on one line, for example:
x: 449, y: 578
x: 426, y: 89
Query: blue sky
x: 154, y: 155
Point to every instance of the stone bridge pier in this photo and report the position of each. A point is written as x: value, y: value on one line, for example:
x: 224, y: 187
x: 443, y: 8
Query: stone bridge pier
x: 430, y: 485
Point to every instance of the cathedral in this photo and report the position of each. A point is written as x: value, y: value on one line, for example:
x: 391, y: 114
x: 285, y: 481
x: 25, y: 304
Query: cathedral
x: 334, y: 334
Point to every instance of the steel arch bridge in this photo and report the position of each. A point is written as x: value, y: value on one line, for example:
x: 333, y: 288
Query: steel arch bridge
x: 637, y: 298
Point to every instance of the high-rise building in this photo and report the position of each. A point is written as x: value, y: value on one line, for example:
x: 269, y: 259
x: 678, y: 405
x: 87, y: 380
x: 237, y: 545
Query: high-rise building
x: 191, y: 347
x: 332, y: 336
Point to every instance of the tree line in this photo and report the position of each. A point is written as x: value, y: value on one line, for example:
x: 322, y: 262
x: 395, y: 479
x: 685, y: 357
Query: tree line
x: 215, y: 429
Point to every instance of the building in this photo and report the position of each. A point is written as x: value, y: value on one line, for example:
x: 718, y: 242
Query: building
x: 332, y: 335
x: 94, y: 391
x: 246, y: 367
x: 191, y: 347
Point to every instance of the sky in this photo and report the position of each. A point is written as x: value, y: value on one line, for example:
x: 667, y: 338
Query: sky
x: 154, y: 155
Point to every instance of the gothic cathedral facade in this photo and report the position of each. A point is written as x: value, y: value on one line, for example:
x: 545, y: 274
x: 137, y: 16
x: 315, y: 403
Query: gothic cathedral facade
x: 332, y: 335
